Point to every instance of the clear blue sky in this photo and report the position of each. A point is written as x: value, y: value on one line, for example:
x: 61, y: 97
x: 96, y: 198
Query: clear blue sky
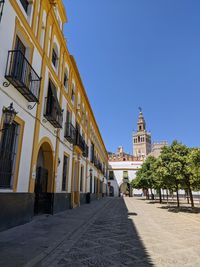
x: 133, y: 53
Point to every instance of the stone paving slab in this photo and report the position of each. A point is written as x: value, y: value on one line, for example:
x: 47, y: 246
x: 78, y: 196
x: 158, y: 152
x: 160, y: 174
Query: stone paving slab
x: 171, y: 239
x: 35, y: 240
x: 112, y: 232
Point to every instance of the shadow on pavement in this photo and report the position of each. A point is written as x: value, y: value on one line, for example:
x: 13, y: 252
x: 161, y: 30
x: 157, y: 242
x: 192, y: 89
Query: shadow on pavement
x: 132, y: 214
x: 101, y: 234
x: 112, y: 240
x: 183, y: 209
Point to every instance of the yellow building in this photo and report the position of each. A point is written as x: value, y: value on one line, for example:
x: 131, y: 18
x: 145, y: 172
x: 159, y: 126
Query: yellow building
x: 52, y: 152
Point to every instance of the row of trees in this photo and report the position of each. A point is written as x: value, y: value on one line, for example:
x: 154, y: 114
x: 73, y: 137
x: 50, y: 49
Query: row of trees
x: 177, y: 167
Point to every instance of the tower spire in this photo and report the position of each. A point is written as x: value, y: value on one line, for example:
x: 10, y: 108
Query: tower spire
x: 141, y: 138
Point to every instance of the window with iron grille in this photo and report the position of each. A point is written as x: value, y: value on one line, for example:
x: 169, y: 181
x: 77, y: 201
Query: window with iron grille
x: 65, y: 173
x: 25, y: 4
x: 8, y: 150
x: 92, y: 153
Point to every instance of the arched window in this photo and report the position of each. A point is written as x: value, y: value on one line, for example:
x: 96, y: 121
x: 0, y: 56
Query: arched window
x: 55, y: 56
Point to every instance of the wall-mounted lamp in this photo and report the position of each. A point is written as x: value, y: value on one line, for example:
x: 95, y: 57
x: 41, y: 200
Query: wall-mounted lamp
x: 9, y: 114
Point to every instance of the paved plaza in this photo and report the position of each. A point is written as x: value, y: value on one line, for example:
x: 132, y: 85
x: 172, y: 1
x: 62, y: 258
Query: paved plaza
x: 109, y: 232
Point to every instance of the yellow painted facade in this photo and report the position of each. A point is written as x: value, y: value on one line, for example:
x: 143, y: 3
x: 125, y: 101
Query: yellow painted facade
x: 42, y: 34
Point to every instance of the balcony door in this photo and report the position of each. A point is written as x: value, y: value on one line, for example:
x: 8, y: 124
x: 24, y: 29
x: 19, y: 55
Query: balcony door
x: 19, y: 59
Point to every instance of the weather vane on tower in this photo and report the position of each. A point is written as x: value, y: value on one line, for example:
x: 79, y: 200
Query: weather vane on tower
x: 140, y: 109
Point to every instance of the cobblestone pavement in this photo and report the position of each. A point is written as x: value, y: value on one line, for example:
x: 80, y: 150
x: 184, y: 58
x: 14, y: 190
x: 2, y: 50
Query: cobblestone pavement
x: 110, y: 232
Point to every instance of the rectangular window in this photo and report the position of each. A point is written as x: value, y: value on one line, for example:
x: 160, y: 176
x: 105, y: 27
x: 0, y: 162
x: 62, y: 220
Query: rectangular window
x: 73, y: 93
x: 65, y: 174
x: 25, y: 4
x: 54, y: 58
x: 125, y: 174
x: 8, y: 151
x: 66, y: 80
x: 81, y: 179
x: 92, y: 153
x: 111, y: 175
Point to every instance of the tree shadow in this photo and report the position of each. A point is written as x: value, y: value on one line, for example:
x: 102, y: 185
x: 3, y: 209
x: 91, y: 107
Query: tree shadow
x: 132, y: 214
x: 182, y: 209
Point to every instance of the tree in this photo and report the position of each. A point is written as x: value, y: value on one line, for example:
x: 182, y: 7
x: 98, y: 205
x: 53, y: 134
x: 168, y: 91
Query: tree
x: 194, y: 167
x: 176, y: 160
x: 145, y: 176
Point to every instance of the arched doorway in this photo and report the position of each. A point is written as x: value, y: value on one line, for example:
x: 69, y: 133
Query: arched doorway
x: 126, y: 189
x: 43, y: 181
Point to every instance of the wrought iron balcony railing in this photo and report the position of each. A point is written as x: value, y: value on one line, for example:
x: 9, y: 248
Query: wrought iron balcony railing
x: 86, y: 149
x: 70, y: 133
x: 80, y: 141
x: 22, y: 76
x: 53, y: 112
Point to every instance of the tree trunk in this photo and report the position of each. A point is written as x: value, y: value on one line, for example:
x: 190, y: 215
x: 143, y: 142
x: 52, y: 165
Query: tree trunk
x: 191, y: 196
x: 167, y: 195
x: 177, y: 196
x: 160, y: 196
x: 147, y: 194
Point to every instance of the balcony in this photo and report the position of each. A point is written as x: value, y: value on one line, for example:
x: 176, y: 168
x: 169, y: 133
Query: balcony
x: 22, y: 76
x: 70, y: 133
x: 80, y: 141
x: 86, y: 149
x: 53, y: 112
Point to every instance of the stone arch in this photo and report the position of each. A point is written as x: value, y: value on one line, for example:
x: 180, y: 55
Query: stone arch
x: 45, y: 159
x: 44, y: 182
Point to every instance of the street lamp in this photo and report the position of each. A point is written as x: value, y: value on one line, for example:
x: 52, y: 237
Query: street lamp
x: 9, y: 114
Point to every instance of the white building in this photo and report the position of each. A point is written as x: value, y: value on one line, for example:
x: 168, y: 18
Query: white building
x: 122, y: 170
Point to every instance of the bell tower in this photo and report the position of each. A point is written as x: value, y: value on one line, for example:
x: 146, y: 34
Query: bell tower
x: 141, y: 138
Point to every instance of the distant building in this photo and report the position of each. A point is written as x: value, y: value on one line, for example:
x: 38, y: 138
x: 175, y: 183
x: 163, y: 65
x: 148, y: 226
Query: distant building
x: 141, y: 138
x: 156, y: 148
x: 122, y: 170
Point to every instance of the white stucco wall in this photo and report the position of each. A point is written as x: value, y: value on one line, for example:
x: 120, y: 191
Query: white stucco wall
x: 118, y: 167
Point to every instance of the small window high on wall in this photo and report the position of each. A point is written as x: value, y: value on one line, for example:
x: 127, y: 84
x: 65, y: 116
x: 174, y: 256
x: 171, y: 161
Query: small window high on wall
x: 55, y: 56
x: 66, y: 79
x: 73, y: 93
